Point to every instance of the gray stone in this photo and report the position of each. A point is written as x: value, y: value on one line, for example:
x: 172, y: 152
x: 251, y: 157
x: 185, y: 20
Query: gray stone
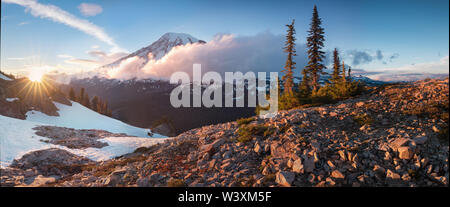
x: 421, y: 140
x: 309, y: 164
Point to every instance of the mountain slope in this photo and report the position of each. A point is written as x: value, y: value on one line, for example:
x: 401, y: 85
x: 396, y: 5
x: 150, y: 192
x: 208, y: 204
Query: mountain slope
x: 3, y: 77
x: 80, y: 117
x: 395, y: 136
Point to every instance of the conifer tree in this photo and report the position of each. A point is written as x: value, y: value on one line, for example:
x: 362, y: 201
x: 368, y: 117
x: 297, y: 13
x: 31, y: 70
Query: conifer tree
x: 335, y: 78
x: 86, y: 101
x: 105, y: 108
x: 344, y: 79
x: 314, y: 43
x: 81, y: 97
x: 304, y: 88
x: 94, y: 104
x: 289, y: 48
x: 349, y: 73
x: 72, y: 95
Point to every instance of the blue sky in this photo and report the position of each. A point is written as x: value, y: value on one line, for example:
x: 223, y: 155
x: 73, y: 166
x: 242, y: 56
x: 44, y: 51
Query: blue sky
x: 405, y: 33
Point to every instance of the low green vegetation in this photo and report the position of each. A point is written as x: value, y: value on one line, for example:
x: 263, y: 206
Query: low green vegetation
x: 244, y: 121
x: 247, y: 132
x: 363, y: 119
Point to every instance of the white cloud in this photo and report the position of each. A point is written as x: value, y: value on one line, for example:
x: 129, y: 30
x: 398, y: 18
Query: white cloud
x: 412, y: 72
x: 225, y: 53
x: 88, y: 9
x: 56, y: 14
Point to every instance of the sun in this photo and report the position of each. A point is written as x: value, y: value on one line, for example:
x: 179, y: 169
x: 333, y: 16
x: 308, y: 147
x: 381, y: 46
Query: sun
x: 35, y: 76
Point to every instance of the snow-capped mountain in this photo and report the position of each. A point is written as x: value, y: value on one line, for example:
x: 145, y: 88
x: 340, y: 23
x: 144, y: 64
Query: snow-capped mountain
x: 158, y: 48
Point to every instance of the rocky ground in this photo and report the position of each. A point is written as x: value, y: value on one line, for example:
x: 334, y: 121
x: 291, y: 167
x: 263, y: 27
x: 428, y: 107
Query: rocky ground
x: 75, y: 139
x: 396, y: 135
x: 40, y: 167
x: 44, y: 166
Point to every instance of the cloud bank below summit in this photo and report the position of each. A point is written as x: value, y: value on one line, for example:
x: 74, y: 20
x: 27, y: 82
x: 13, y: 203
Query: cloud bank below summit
x: 225, y: 53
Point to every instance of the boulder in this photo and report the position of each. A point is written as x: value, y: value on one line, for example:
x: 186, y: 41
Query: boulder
x: 257, y: 148
x: 421, y: 139
x: 41, y: 180
x: 297, y: 166
x: 405, y: 153
x: 309, y: 164
x: 392, y: 175
x: 285, y: 178
x: 399, y: 142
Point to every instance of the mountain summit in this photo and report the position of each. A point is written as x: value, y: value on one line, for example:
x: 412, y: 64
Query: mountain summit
x: 159, y: 48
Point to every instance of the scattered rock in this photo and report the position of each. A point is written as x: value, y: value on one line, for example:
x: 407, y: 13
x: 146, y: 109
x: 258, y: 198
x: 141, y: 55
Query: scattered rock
x: 337, y: 174
x: 405, y: 153
x: 285, y: 178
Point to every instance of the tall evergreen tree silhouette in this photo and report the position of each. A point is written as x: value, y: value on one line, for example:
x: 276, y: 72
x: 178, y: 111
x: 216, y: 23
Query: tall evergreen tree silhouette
x: 72, y: 95
x: 304, y: 88
x: 81, y: 97
x: 94, y: 104
x: 349, y: 73
x: 86, y: 101
x: 288, y: 78
x: 344, y: 79
x: 336, y: 76
x: 314, y: 43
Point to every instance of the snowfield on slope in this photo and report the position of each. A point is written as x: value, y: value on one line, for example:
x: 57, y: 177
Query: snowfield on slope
x: 79, y: 117
x: 17, y: 138
x: 4, y: 77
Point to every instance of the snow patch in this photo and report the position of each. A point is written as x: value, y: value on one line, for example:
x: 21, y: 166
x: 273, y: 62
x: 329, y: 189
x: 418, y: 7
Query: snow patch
x: 79, y: 117
x: 4, y: 77
x: 116, y: 146
x: 12, y: 99
x: 17, y: 138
